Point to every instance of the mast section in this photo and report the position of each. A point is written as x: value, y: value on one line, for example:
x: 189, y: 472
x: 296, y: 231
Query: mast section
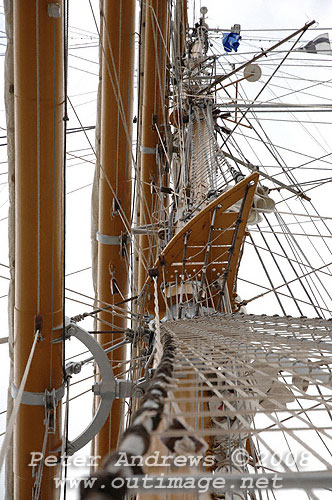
x: 114, y: 219
x: 39, y: 99
x: 153, y: 126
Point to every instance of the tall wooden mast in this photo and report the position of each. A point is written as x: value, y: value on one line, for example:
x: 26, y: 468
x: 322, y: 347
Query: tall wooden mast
x: 39, y: 98
x: 117, y: 70
x: 153, y: 120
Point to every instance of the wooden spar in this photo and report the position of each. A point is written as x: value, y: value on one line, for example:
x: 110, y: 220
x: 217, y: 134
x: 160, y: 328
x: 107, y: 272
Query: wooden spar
x: 141, y: 51
x: 181, y: 19
x: 153, y: 109
x: 197, y: 229
x: 39, y: 99
x: 117, y: 70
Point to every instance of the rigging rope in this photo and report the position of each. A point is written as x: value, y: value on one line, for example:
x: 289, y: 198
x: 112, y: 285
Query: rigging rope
x: 234, y: 363
x: 157, y: 322
x: 40, y: 469
x: 38, y: 153
x: 65, y: 440
x: 288, y: 282
x: 11, y: 422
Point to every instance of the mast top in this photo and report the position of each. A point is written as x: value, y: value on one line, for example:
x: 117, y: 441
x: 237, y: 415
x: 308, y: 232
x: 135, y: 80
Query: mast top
x: 203, y: 11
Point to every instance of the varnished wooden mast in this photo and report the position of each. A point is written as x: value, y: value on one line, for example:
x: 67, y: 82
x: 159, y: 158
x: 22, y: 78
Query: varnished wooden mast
x: 153, y: 117
x: 118, y: 20
x: 181, y: 18
x: 39, y: 99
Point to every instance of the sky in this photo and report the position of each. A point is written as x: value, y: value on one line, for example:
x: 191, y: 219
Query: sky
x: 83, y: 80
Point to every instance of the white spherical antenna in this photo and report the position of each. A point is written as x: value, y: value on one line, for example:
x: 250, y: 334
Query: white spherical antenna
x: 204, y: 11
x: 252, y: 72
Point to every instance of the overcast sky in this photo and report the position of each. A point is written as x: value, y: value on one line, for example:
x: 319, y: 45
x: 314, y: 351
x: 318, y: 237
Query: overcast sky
x: 253, y: 14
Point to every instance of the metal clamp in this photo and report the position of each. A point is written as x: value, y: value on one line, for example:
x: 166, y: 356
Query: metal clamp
x: 106, y: 239
x: 123, y: 389
x: 36, y: 398
x: 141, y: 386
x: 147, y: 151
x: 51, y: 403
x: 54, y: 10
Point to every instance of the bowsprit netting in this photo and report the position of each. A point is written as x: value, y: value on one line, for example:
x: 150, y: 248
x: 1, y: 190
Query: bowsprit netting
x: 257, y: 389
x: 243, y: 399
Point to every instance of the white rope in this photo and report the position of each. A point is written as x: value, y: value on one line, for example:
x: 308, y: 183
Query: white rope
x: 18, y: 400
x: 39, y: 475
x: 292, y: 234
x: 38, y: 156
x: 261, y: 210
x: 159, y: 348
x: 63, y: 462
x: 230, y: 342
x: 291, y: 281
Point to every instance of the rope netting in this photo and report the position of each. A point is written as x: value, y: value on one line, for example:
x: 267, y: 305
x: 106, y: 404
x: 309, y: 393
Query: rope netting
x: 242, y: 394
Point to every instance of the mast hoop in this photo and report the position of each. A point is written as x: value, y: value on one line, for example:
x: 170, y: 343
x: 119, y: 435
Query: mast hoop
x: 147, y: 151
x: 107, y: 239
x: 37, y: 398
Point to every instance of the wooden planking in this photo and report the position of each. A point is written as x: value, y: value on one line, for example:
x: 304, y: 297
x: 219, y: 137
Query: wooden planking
x: 198, y: 230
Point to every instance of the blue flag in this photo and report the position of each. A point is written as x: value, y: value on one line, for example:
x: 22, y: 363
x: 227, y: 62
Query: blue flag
x: 231, y: 41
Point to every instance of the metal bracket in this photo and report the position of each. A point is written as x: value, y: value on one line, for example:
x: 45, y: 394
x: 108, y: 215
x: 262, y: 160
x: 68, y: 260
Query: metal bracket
x: 73, y: 368
x: 123, y: 244
x: 141, y: 386
x: 54, y: 10
x: 106, y: 239
x: 123, y: 389
x: 147, y: 151
x: 108, y: 389
x: 37, y: 398
x: 50, y: 410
